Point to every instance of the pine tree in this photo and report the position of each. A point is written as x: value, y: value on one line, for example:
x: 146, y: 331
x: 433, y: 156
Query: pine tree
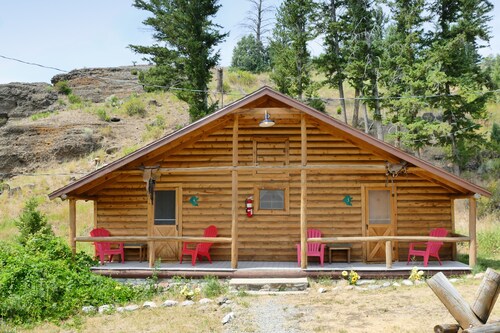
x: 364, y: 28
x: 184, y: 50
x: 290, y: 59
x: 332, y: 62
x: 404, y: 72
x: 456, y: 75
x: 250, y: 55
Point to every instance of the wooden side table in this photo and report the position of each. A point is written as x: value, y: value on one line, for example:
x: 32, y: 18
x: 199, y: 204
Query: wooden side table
x: 142, y: 247
x: 339, y: 247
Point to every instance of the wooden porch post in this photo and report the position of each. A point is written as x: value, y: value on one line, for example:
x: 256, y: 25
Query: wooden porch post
x: 72, y: 225
x: 453, y: 245
x: 472, y: 232
x: 234, y: 196
x: 303, y: 193
x: 151, y: 244
x: 388, y: 254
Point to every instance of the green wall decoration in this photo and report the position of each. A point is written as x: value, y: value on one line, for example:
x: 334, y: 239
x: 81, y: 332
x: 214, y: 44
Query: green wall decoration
x: 194, y: 200
x: 347, y: 200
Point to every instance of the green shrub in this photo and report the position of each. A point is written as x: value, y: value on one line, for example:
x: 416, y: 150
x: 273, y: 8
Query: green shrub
x: 134, y: 106
x: 32, y: 221
x: 74, y: 99
x: 40, y: 115
x: 213, y: 287
x: 62, y: 87
x: 129, y: 150
x: 241, y: 77
x: 41, y: 280
x: 102, y: 114
x: 490, y: 205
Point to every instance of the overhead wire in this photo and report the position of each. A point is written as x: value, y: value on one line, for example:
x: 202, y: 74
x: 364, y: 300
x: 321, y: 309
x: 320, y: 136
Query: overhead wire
x: 327, y: 99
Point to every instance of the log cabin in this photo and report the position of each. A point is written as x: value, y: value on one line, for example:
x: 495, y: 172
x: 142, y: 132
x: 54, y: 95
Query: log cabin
x: 297, y: 167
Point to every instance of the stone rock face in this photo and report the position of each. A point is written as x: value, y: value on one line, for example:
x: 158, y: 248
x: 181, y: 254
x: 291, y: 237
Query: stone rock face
x: 19, y: 100
x: 97, y: 84
x: 29, y: 145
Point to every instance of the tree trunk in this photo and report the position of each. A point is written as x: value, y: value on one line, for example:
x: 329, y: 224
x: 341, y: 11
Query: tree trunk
x: 258, y: 24
x: 365, y: 115
x: 333, y: 13
x: 455, y: 154
x: 377, y: 116
x: 342, y: 100
x: 355, y: 112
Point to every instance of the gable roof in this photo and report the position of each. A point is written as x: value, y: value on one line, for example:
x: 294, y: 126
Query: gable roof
x: 266, y: 96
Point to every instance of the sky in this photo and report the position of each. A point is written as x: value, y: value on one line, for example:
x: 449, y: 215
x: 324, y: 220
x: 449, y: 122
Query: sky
x: 95, y: 33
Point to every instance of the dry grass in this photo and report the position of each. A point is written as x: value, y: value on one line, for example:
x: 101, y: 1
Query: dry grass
x: 175, y: 319
x: 403, y: 309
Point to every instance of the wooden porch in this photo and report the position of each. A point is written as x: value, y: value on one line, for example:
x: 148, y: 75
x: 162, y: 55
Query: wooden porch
x: 135, y: 269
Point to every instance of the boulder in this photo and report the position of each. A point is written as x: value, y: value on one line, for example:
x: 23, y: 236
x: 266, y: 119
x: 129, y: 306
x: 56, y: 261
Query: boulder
x: 97, y: 84
x: 20, y: 100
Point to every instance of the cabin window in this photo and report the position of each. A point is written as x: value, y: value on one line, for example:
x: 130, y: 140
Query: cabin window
x: 271, y: 200
x: 165, y: 207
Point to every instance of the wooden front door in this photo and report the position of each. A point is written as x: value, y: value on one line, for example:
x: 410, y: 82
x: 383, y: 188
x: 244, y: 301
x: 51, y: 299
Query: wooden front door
x: 379, y: 218
x: 166, y: 224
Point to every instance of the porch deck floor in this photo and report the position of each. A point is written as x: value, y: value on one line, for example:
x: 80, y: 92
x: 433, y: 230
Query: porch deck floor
x: 225, y: 266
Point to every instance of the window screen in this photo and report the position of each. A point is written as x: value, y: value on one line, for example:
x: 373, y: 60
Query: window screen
x: 165, y: 207
x: 272, y: 199
x: 379, y: 202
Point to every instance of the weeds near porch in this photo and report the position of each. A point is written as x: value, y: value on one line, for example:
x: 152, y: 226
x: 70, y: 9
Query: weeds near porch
x: 213, y: 287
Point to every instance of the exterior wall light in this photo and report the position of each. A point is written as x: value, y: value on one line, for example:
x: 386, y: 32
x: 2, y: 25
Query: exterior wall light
x: 267, y: 122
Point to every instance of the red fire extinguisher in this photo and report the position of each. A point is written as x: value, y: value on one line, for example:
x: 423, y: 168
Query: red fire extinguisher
x: 249, y: 206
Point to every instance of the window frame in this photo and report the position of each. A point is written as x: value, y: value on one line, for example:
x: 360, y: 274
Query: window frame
x: 286, y: 199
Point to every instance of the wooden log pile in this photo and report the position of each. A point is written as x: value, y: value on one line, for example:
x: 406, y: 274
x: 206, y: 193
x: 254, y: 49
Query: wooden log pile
x: 470, y: 318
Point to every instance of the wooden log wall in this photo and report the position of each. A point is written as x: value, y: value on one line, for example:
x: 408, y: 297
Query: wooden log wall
x: 421, y: 205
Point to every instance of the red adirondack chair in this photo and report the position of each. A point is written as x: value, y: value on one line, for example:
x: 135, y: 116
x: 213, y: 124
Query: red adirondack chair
x: 431, y: 248
x: 201, y: 249
x: 103, y: 249
x: 313, y: 249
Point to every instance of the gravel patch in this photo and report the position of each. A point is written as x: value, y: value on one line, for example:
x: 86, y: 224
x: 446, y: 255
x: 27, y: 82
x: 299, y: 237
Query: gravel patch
x: 266, y: 314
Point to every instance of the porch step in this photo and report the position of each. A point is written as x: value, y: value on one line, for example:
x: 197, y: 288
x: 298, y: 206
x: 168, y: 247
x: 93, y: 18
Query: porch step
x: 269, y: 284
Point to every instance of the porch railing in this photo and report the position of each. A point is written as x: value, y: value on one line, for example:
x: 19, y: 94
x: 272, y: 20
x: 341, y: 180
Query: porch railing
x: 361, y: 239
x: 388, y: 241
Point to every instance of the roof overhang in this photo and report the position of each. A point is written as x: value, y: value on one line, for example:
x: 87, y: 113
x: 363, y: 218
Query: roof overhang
x: 252, y: 100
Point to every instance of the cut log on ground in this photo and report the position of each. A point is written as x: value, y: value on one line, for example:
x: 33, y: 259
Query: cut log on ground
x: 454, y: 302
x: 488, y: 328
x: 446, y: 328
x: 486, y: 295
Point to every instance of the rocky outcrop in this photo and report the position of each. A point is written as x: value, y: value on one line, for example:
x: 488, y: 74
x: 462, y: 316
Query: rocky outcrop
x: 97, y: 84
x: 28, y: 145
x: 18, y: 100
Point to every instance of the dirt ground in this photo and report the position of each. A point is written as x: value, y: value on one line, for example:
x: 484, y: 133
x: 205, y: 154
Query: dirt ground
x: 392, y: 309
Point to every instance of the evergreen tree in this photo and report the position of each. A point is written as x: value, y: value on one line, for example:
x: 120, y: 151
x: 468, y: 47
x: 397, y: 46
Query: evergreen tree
x: 404, y: 72
x: 364, y: 27
x: 290, y: 59
x: 250, y: 55
x: 333, y: 61
x: 184, y: 50
x: 456, y: 75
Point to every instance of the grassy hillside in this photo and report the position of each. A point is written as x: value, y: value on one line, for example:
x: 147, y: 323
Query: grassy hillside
x: 144, y: 118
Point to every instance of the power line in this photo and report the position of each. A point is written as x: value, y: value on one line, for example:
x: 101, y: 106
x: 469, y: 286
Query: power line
x: 324, y: 99
x: 34, y: 64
